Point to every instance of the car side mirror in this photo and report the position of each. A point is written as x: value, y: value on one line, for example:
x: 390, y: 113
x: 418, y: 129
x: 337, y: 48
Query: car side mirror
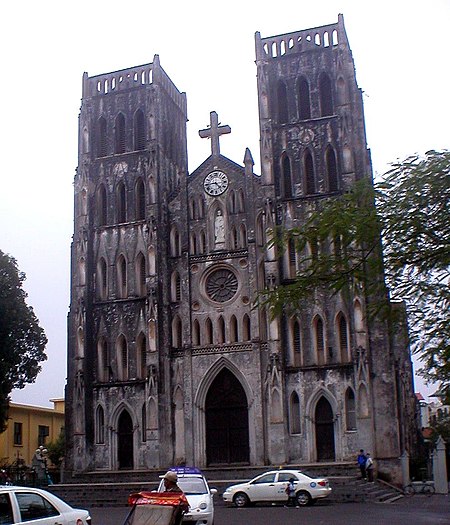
x: 213, y: 491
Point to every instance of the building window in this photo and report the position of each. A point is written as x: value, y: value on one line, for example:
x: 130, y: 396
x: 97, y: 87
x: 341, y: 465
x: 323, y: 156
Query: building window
x: 303, y: 99
x: 287, y: 176
x: 102, y: 144
x: 43, y: 433
x: 319, y: 340
x: 282, y: 103
x: 121, y: 203
x: 17, y: 433
x: 120, y: 134
x: 139, y: 131
x: 140, y: 200
x: 309, y: 174
x: 326, y: 100
x: 144, y: 423
x: 350, y: 413
x: 102, y: 207
x: 330, y: 159
x: 100, y: 424
x: 295, y: 413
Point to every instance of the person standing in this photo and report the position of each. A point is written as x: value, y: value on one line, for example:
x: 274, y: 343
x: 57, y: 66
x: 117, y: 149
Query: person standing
x: 361, y: 459
x: 369, y: 468
x: 170, y: 480
x: 290, y: 491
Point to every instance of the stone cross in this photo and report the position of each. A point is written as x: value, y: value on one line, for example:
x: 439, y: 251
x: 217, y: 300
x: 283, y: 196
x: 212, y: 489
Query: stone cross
x: 213, y: 132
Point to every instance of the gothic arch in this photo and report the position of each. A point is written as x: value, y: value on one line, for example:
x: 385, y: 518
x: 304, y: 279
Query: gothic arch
x: 199, y: 409
x: 311, y: 426
x: 115, y: 419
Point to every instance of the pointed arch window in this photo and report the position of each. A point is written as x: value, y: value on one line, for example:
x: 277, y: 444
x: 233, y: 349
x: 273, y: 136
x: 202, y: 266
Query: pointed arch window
x: 326, y: 100
x: 287, y: 176
x: 176, y: 332
x: 232, y: 202
x: 140, y: 199
x: 121, y: 203
x: 151, y: 190
x: 234, y: 238
x: 201, y: 208
x: 309, y: 174
x: 332, y: 176
x: 122, y: 358
x: 294, y: 412
x: 175, y: 245
x: 100, y: 426
x: 102, y: 289
x: 193, y: 244
x: 221, y: 330
x: 283, y: 116
x: 261, y: 276
x: 240, y: 200
x: 139, y: 130
x: 122, y: 277
x: 350, y: 411
x: 208, y: 332
x: 103, y: 361
x: 176, y: 287
x: 101, y: 141
x: 296, y: 337
x: 304, y: 103
x: 144, y: 423
x: 363, y: 402
x: 234, y: 337
x: 246, y: 328
x: 196, y: 333
x: 140, y: 275
x: 319, y: 340
x: 119, y: 130
x: 260, y: 230
x: 193, y: 209
x: 202, y: 242
x: 141, y: 356
x: 242, y: 236
x: 102, y: 205
x: 292, y: 255
x: 343, y: 338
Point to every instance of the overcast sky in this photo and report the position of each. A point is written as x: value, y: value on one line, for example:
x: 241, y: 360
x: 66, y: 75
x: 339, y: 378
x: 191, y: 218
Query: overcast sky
x: 401, y: 53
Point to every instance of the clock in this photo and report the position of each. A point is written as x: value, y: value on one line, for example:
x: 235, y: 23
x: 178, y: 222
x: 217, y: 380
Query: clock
x: 215, y: 183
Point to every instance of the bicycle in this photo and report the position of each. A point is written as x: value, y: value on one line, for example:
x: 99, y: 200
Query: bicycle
x: 419, y: 487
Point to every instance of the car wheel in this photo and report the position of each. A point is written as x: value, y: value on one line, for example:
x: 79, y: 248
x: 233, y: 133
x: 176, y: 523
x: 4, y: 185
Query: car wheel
x: 303, y: 498
x: 241, y: 500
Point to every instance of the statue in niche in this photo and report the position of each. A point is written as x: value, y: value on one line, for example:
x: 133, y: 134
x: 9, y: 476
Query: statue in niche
x: 219, y: 228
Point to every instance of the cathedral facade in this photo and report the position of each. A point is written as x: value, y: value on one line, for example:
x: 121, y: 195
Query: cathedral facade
x: 169, y: 360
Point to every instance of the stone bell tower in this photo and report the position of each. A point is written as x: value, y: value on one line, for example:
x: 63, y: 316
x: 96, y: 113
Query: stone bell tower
x: 132, y: 162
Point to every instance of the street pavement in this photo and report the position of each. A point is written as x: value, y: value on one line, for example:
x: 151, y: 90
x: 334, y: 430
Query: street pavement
x: 417, y: 510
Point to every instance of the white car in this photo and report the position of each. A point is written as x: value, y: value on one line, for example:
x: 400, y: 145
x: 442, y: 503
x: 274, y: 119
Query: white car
x: 20, y: 505
x: 271, y: 487
x: 199, y: 495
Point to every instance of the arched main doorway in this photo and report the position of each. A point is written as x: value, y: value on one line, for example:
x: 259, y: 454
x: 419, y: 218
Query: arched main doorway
x: 324, y: 431
x: 125, y: 441
x: 226, y: 418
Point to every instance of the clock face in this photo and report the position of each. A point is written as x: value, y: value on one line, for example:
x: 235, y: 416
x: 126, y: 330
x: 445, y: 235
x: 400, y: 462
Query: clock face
x: 215, y: 183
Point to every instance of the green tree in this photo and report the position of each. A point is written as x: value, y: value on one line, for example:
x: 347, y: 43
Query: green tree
x: 22, y: 340
x: 340, y: 246
x: 57, y: 449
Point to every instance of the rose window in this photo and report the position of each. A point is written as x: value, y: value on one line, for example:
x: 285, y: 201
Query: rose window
x: 221, y: 285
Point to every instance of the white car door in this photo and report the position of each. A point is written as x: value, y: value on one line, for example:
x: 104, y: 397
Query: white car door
x: 281, y: 483
x: 262, y: 488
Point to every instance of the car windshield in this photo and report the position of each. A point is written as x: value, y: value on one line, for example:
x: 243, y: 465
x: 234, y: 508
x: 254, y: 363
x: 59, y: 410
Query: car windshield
x: 192, y: 485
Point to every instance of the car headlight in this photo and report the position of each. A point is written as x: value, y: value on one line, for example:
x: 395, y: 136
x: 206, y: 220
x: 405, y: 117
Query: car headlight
x: 203, y: 505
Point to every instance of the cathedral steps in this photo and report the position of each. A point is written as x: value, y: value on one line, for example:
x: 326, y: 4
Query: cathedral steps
x: 111, y: 489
